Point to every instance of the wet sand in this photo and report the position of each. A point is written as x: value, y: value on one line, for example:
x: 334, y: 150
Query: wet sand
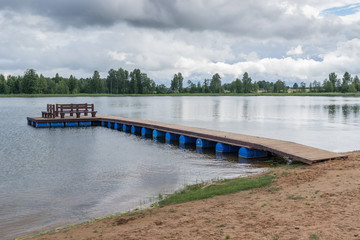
x: 321, y: 201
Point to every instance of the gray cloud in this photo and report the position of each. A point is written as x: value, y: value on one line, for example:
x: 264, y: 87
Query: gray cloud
x: 246, y: 18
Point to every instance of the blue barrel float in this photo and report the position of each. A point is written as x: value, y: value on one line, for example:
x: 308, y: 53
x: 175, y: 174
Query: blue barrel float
x: 118, y: 126
x: 171, y: 138
x: 104, y: 124
x: 146, y: 132
x: 110, y: 125
x: 126, y: 128
x: 42, y: 125
x: 135, y: 130
x: 158, y: 135
x: 84, y: 124
x: 225, y: 148
x: 57, y: 124
x: 71, y: 124
x: 252, y: 153
x: 200, y: 143
x: 187, y: 142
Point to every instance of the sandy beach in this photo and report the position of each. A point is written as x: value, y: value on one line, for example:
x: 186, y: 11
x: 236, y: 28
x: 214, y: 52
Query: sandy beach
x: 321, y: 201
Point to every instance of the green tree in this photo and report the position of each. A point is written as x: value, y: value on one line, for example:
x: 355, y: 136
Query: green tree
x: 177, y: 83
x: 42, y: 85
x: 29, y: 82
x: 352, y: 88
x: 96, y: 84
x: 73, y: 85
x: 13, y: 84
x: 174, y: 85
x: 205, y: 86
x: 180, y: 80
x: 57, y: 78
x: 333, y: 79
x: 346, y: 81
x: 62, y: 87
x: 255, y: 87
x: 328, y: 86
x: 280, y: 86
x: 148, y: 85
x: 191, y: 87
x: 215, y: 83
x: 51, y: 86
x: 266, y: 86
x: 356, y: 82
x: 2, y: 84
x: 123, y: 81
x: 161, y: 89
x: 135, y: 82
x: 238, y: 86
x: 316, y: 86
x: 295, y: 86
x: 246, y: 83
x: 303, y: 87
x: 112, y: 81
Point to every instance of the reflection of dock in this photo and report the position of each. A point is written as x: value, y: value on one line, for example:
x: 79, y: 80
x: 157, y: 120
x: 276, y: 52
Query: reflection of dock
x: 246, y: 146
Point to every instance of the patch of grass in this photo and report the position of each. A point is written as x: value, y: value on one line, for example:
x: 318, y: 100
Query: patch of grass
x: 221, y: 187
x: 221, y: 226
x: 276, y: 237
x: 227, y: 236
x: 314, y: 237
x: 293, y: 197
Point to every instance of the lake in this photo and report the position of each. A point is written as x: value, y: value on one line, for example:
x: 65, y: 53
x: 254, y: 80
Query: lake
x: 51, y: 177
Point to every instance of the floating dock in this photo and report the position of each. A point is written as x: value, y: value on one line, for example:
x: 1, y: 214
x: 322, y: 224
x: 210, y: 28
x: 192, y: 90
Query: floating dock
x: 246, y: 146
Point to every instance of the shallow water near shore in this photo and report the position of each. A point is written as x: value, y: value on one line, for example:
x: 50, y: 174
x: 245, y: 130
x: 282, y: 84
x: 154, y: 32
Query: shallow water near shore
x: 69, y: 175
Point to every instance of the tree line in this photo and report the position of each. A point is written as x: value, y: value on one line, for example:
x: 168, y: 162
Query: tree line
x: 136, y: 82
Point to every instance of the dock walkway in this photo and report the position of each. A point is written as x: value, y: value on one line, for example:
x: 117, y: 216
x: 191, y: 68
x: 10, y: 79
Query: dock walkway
x: 291, y: 150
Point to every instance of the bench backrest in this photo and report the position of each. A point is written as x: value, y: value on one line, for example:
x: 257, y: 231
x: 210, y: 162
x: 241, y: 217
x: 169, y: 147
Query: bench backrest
x: 74, y: 107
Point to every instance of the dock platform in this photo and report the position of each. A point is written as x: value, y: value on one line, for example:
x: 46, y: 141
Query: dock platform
x: 291, y: 150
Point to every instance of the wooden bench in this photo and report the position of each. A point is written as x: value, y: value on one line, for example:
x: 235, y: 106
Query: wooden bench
x: 77, y: 109
x: 50, y: 111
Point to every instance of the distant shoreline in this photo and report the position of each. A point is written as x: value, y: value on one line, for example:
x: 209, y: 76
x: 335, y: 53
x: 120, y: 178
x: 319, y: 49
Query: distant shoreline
x: 334, y: 94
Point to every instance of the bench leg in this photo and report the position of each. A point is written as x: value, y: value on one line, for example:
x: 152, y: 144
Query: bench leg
x: 77, y: 115
x: 62, y: 115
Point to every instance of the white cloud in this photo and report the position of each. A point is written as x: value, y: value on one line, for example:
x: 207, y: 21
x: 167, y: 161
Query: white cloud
x: 118, y: 56
x: 295, y: 51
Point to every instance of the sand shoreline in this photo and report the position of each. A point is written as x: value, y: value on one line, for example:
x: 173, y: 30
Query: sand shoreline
x: 321, y: 201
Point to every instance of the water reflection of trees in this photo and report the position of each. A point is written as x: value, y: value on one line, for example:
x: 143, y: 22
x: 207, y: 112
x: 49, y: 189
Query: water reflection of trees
x: 345, y: 109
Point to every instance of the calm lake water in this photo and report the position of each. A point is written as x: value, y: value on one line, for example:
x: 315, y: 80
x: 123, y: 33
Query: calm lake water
x: 51, y: 177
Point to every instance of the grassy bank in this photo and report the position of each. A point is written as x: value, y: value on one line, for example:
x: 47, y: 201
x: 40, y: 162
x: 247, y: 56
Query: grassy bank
x: 221, y: 187
x: 337, y: 94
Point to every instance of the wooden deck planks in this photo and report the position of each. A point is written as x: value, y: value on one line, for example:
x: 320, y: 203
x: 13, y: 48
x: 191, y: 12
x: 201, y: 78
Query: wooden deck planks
x: 291, y: 150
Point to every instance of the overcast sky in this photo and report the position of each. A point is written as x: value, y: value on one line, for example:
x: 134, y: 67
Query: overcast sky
x: 288, y: 40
